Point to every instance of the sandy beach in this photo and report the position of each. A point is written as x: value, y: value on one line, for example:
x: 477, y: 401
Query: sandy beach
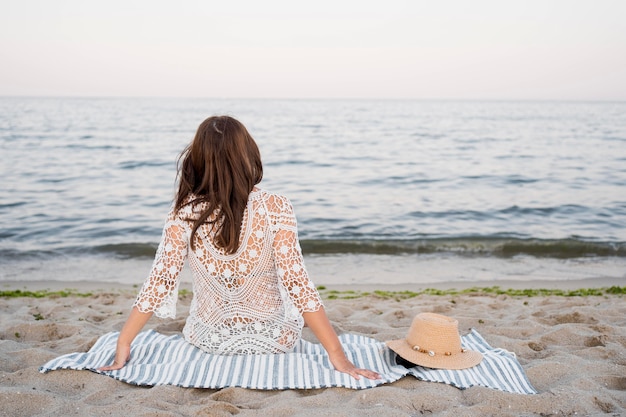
x: 572, y: 349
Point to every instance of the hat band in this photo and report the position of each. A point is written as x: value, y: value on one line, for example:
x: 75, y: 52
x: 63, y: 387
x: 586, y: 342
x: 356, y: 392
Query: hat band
x: 432, y: 352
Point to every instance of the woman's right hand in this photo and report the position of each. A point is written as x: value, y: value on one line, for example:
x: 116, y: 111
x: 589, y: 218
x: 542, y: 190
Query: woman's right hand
x: 122, y: 355
x: 343, y: 364
x: 320, y: 325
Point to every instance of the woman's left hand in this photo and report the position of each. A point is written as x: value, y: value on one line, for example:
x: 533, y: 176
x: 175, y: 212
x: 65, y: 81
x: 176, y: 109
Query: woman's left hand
x: 122, y: 355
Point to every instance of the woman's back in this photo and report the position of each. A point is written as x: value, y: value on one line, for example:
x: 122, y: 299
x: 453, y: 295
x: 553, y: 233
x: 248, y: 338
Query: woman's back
x: 250, y: 301
x: 252, y: 293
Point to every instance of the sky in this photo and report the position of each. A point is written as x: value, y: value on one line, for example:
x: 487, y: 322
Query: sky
x: 391, y: 49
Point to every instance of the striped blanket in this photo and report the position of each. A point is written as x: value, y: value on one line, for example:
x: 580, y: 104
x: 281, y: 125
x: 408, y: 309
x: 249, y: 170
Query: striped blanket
x: 157, y: 359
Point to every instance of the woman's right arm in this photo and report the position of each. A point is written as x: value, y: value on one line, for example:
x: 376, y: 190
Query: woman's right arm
x: 320, y: 325
x: 292, y: 272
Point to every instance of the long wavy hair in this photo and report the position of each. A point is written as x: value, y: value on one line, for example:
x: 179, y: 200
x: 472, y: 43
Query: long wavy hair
x: 219, y: 167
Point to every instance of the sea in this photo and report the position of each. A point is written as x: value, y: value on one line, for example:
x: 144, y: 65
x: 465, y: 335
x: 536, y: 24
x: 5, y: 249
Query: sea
x: 399, y: 192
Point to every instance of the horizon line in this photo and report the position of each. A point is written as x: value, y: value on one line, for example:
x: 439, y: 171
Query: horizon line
x: 547, y: 100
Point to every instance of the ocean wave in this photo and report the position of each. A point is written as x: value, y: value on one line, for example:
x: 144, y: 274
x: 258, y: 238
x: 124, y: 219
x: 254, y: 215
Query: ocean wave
x: 465, y: 246
x: 128, y: 250
x: 479, y: 246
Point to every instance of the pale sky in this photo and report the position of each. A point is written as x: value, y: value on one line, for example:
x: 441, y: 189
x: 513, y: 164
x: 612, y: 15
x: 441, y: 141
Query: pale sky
x: 439, y: 49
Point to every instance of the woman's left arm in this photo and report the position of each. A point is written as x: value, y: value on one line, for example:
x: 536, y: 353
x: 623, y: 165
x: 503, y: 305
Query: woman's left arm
x: 135, y: 322
x: 159, y: 292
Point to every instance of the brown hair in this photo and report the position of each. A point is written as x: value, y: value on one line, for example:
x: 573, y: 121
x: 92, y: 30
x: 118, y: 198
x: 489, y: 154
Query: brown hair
x: 220, y: 167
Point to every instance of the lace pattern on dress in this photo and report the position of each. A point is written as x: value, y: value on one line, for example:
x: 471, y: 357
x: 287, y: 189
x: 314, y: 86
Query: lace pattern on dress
x: 160, y: 291
x: 249, y: 302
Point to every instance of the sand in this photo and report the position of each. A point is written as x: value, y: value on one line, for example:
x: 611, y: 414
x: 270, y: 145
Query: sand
x: 573, y: 350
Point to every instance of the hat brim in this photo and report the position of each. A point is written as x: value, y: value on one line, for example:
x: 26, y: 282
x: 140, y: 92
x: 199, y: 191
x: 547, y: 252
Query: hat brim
x: 463, y: 360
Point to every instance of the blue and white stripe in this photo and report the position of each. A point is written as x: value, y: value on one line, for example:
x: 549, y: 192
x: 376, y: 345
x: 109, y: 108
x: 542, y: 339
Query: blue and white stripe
x: 157, y: 359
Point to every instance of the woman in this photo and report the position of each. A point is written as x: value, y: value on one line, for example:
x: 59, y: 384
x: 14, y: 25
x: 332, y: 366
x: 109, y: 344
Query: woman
x: 251, y: 292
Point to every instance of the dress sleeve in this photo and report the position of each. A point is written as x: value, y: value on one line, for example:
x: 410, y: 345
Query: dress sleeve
x: 289, y: 262
x: 160, y: 290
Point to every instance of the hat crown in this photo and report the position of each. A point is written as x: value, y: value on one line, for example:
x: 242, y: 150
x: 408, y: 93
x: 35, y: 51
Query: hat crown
x: 435, y: 333
x: 434, y: 341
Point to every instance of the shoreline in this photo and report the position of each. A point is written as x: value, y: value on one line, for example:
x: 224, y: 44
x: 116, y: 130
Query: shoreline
x: 100, y: 286
x: 353, y: 271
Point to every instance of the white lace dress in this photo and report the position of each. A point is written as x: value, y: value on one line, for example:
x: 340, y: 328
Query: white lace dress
x: 250, y: 302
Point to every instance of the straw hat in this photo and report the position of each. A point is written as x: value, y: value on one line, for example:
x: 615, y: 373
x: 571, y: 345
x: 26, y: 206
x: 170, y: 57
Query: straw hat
x: 434, y: 342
